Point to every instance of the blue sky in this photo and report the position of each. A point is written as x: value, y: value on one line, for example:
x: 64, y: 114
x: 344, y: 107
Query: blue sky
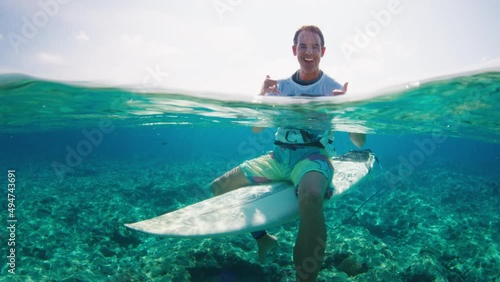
x: 229, y: 46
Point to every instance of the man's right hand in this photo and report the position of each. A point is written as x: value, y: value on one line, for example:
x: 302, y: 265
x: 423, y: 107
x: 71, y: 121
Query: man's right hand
x: 269, y: 87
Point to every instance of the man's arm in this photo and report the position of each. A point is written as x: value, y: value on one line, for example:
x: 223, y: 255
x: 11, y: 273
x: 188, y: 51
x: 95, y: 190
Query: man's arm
x: 269, y: 86
x: 256, y: 129
x: 342, y: 91
x: 358, y: 139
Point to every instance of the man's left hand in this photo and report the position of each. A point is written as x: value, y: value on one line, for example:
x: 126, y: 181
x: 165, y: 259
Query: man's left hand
x: 342, y: 91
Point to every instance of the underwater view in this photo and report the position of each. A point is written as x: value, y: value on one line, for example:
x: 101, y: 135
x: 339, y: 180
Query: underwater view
x: 79, y: 161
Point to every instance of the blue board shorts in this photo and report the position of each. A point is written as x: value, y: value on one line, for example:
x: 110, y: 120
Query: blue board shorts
x: 289, y: 163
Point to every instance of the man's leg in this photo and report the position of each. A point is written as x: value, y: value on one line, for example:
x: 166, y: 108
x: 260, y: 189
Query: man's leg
x: 233, y: 180
x: 311, y: 240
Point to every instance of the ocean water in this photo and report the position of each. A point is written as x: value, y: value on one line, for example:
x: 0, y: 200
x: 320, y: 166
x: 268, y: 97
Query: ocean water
x: 77, y: 161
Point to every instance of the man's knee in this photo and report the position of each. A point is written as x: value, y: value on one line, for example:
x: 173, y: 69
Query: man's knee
x: 312, y: 187
x: 231, y: 180
x: 215, y: 186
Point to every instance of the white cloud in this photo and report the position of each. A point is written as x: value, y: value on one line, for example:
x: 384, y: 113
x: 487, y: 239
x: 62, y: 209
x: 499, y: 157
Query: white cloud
x: 1, y: 36
x: 48, y: 58
x: 82, y: 36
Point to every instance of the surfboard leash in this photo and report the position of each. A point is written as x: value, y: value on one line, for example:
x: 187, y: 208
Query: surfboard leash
x: 365, y: 202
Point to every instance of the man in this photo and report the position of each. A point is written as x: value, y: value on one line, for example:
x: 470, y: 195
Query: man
x: 299, y: 156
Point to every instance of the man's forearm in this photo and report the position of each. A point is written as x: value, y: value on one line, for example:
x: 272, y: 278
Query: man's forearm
x: 358, y: 139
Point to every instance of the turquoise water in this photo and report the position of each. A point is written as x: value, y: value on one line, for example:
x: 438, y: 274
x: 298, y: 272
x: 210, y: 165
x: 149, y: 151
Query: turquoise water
x: 86, y: 159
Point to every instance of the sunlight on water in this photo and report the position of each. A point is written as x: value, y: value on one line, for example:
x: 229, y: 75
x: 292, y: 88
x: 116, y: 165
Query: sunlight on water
x: 461, y: 106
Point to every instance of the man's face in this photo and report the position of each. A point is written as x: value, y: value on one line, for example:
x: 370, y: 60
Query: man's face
x: 308, y: 51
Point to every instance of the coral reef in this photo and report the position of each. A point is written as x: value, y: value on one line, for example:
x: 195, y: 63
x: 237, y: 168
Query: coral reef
x: 438, y: 225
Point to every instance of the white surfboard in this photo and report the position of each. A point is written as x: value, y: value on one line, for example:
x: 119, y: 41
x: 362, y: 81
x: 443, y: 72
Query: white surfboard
x: 251, y: 208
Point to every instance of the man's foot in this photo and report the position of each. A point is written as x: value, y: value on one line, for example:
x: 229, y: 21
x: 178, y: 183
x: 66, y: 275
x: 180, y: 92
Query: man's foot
x: 265, y: 244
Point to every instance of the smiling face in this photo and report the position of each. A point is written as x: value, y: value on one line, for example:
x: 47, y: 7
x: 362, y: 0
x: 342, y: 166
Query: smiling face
x: 309, y: 50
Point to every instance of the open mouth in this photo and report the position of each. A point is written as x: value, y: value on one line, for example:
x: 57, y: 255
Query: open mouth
x: 308, y: 60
